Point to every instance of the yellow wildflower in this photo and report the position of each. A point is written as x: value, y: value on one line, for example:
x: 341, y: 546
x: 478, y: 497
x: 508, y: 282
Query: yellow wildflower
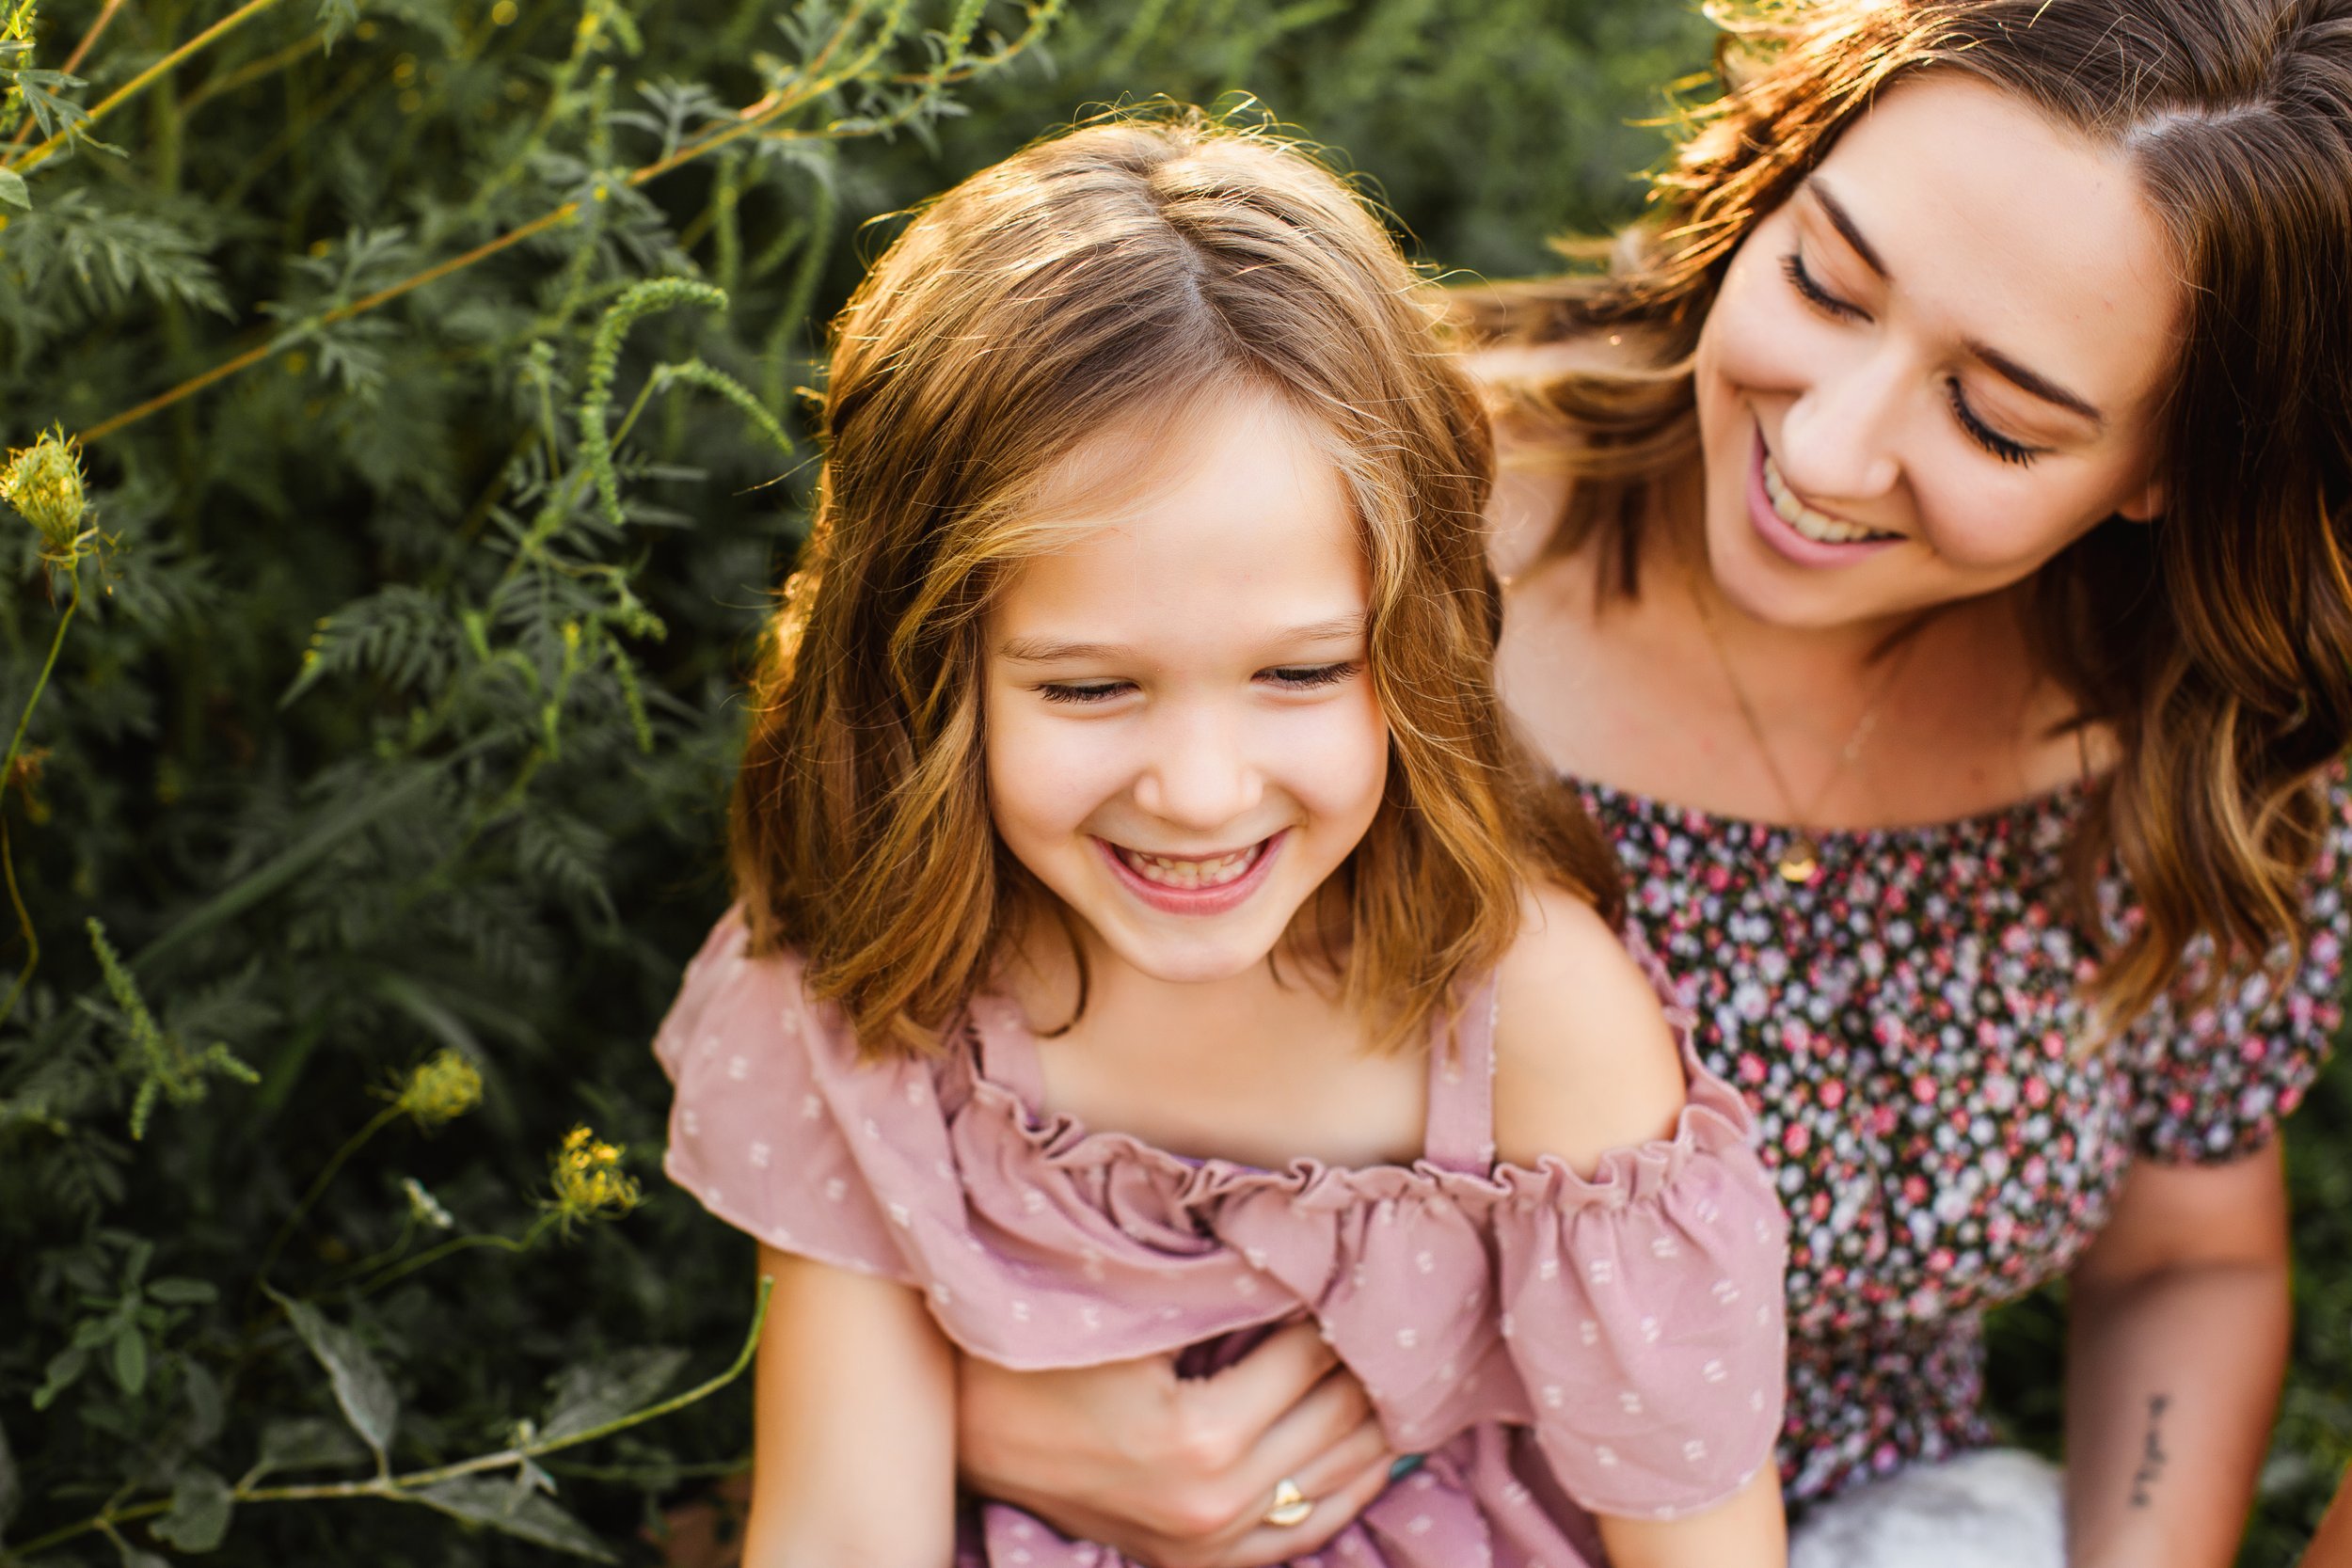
x: 44, y: 482
x: 589, y: 1183
x: 444, y: 1090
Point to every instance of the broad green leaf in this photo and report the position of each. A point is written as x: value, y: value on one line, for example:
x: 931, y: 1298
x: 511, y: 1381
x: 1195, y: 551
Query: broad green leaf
x: 201, y: 1505
x: 12, y: 190
x: 307, y: 1443
x: 181, y: 1293
x: 64, y: 1368
x: 500, y: 1506
x: 361, y: 1388
x: 129, y: 1360
x: 586, y: 1397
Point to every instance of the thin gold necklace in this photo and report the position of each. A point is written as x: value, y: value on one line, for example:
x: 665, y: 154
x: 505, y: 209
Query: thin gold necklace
x: 1799, y: 858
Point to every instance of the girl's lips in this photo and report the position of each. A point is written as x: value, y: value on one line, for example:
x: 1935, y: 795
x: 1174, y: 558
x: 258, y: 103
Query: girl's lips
x: 1786, y: 541
x: 1213, y: 899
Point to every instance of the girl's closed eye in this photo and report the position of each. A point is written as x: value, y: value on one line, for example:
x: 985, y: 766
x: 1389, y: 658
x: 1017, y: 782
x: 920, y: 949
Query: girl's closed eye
x: 1308, y: 677
x: 1082, y: 691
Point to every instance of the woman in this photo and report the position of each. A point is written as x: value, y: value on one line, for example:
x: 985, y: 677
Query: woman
x: 1930, y: 555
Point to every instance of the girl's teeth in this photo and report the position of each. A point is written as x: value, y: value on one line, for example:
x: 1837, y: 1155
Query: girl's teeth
x: 1169, y: 871
x: 1812, y: 523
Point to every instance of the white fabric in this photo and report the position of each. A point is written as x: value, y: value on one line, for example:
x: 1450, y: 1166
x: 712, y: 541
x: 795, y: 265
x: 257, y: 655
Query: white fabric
x: 1996, y: 1508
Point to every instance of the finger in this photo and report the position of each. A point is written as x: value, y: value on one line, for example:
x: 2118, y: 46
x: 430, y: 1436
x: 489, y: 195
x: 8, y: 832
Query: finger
x: 1254, y: 1391
x: 1333, y: 1420
x: 1266, y: 1544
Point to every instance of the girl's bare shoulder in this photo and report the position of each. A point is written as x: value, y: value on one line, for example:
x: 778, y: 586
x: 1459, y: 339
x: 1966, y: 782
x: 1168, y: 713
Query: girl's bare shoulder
x: 1585, y: 1058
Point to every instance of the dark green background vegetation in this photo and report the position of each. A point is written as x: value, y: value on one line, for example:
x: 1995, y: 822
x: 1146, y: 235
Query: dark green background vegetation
x: 378, y: 732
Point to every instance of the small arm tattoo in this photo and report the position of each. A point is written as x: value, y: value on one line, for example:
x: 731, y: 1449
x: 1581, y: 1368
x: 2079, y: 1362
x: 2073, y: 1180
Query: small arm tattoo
x: 2151, y: 1454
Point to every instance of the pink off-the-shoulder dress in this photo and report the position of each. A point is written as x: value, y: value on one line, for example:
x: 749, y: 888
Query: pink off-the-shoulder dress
x: 1556, y: 1346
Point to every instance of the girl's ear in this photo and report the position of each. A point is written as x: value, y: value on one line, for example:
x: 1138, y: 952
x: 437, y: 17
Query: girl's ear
x: 2144, y: 505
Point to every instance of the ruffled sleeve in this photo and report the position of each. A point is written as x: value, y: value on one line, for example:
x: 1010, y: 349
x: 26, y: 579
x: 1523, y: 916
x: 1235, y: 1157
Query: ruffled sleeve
x: 2215, y: 1080
x: 770, y: 1126
x: 1643, y: 1309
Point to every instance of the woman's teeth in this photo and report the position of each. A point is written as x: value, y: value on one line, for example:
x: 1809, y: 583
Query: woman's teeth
x: 1178, y: 872
x: 1812, y: 523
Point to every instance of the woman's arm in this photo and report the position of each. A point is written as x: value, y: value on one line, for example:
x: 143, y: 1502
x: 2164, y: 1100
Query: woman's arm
x: 2176, y: 1348
x: 1178, y: 1472
x: 853, y: 1444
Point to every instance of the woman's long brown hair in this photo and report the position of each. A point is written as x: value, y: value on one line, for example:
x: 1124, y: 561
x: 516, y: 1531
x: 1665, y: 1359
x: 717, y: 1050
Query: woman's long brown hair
x: 1121, y: 272
x: 2217, y: 643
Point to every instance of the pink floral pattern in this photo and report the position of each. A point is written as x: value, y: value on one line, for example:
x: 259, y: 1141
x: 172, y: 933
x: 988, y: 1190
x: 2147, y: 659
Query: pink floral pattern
x: 1904, y: 1029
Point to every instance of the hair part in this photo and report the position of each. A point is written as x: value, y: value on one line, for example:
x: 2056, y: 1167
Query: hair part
x: 1125, y: 269
x: 2215, y: 643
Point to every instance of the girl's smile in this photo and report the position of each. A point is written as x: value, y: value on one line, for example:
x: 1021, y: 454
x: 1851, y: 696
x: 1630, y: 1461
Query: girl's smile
x: 1194, y: 884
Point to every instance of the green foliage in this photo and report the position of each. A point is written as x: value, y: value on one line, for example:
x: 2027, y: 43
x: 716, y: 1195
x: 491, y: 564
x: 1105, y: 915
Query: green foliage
x: 377, y: 715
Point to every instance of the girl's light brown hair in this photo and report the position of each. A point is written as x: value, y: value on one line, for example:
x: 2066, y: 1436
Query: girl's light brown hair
x: 1126, y: 269
x: 2217, y: 643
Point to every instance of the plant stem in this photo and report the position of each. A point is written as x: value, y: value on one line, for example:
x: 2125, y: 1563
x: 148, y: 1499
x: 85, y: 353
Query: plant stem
x: 252, y: 71
x: 16, y: 743
x: 7, y: 772
x: 405, y: 1488
x: 138, y: 83
x: 374, y: 1124
x: 24, y: 921
x: 434, y: 1255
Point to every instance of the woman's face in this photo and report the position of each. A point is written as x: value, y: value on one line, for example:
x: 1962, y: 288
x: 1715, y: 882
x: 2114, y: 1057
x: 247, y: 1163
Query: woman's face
x: 1935, y: 366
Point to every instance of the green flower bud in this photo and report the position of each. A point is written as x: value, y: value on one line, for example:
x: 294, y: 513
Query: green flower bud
x: 44, y: 482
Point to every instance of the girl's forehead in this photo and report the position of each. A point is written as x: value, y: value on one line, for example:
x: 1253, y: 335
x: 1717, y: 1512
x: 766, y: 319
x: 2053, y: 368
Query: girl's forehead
x: 1233, y: 513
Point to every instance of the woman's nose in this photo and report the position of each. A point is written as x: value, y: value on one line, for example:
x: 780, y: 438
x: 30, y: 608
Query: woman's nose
x: 1200, y: 775
x: 1837, y: 441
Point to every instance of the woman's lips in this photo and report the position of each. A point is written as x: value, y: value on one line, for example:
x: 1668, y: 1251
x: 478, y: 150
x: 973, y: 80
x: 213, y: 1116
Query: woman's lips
x: 1782, y: 536
x: 1192, y: 884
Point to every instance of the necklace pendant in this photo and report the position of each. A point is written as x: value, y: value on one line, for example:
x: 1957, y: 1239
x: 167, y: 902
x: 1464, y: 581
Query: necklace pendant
x: 1801, y: 861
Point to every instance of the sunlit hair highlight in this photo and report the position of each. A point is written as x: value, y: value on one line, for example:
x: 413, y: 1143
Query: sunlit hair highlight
x: 2217, y: 643
x: 1128, y: 269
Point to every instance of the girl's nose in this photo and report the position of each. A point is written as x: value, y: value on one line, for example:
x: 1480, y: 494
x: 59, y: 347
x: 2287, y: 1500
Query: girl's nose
x: 1202, y: 776
x: 1837, y: 441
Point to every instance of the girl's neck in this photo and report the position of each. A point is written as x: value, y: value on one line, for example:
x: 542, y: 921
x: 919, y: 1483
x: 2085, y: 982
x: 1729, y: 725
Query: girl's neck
x: 1261, y: 1068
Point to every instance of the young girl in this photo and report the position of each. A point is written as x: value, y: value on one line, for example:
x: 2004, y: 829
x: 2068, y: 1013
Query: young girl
x: 1151, y: 933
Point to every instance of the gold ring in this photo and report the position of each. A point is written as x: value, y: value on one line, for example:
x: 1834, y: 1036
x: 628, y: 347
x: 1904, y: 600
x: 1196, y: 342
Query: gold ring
x: 1290, y: 1507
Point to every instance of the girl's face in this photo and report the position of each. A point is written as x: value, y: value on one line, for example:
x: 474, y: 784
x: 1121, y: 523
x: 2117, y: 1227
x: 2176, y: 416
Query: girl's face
x: 1182, y: 741
x: 1935, y: 366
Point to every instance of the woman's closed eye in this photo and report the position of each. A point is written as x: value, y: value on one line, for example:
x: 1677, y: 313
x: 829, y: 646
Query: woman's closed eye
x: 1983, y: 434
x: 1810, y: 288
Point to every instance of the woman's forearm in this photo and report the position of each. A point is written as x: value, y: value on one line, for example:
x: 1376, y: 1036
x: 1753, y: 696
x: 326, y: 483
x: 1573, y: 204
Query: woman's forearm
x: 2173, y: 1382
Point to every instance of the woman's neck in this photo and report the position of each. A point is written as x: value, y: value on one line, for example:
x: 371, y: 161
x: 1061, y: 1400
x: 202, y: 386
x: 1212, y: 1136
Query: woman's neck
x: 1678, y: 695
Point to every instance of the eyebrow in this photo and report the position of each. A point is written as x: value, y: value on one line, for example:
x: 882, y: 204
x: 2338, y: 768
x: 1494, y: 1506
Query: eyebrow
x: 1991, y: 358
x: 1042, y: 650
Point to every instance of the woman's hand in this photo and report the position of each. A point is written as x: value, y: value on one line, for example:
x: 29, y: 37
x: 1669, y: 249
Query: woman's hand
x: 1177, y: 1472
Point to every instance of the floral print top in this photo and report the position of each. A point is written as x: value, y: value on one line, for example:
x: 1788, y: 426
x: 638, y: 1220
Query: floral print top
x: 1905, y: 1028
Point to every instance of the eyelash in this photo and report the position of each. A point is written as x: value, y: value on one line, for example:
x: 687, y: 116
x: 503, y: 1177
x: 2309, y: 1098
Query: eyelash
x: 1291, y: 677
x: 1992, y: 441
